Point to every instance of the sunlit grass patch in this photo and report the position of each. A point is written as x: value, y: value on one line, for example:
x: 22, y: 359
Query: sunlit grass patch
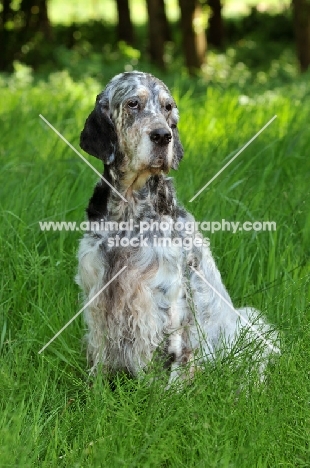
x: 52, y: 413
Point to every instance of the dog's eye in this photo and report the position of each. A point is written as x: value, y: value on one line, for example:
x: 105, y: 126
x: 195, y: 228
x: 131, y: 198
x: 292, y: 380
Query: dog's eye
x: 168, y: 107
x: 133, y: 104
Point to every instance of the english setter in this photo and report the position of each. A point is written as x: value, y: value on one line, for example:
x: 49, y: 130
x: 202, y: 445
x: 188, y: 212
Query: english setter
x: 170, y: 300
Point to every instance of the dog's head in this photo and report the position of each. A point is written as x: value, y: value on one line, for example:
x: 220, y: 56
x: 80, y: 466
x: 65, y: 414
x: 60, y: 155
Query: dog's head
x: 134, y: 116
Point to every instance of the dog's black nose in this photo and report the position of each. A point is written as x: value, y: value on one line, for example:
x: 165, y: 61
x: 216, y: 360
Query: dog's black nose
x: 160, y: 136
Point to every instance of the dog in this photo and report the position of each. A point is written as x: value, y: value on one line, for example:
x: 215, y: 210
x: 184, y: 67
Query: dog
x: 169, y: 303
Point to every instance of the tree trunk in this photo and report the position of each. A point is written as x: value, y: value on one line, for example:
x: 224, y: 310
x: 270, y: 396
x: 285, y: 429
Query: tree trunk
x: 124, y: 25
x: 43, y: 19
x: 164, y: 21
x: 194, y: 37
x: 35, y: 18
x: 216, y: 25
x: 158, y: 28
x: 5, y: 15
x: 301, y: 9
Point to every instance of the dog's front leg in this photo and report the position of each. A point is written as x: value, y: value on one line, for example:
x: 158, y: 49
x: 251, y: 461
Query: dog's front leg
x: 216, y: 322
x: 90, y: 278
x: 180, y: 347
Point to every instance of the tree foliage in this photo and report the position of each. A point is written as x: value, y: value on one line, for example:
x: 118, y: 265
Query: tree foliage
x: 20, y: 25
x: 26, y: 33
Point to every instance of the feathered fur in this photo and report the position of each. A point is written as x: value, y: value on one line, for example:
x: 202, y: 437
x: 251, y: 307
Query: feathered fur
x: 159, y: 302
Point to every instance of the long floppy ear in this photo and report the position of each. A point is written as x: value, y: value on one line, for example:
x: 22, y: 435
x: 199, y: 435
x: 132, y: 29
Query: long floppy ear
x: 177, y: 148
x: 98, y: 136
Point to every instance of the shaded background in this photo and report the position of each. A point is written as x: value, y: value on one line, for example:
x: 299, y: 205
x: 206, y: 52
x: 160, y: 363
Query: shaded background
x: 199, y: 37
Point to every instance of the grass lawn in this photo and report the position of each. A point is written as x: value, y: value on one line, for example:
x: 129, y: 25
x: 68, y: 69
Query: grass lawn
x: 52, y: 415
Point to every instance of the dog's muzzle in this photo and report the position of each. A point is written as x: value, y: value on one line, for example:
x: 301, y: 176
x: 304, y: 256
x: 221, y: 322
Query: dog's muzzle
x: 161, y: 137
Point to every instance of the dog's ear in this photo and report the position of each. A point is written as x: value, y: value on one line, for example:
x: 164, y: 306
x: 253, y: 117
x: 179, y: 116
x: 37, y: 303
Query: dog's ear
x: 177, y: 148
x: 98, y: 136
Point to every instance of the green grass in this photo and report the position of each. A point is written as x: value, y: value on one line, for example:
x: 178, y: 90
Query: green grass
x: 52, y: 415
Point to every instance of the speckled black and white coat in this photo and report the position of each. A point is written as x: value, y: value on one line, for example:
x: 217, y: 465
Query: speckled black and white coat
x: 158, y: 302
